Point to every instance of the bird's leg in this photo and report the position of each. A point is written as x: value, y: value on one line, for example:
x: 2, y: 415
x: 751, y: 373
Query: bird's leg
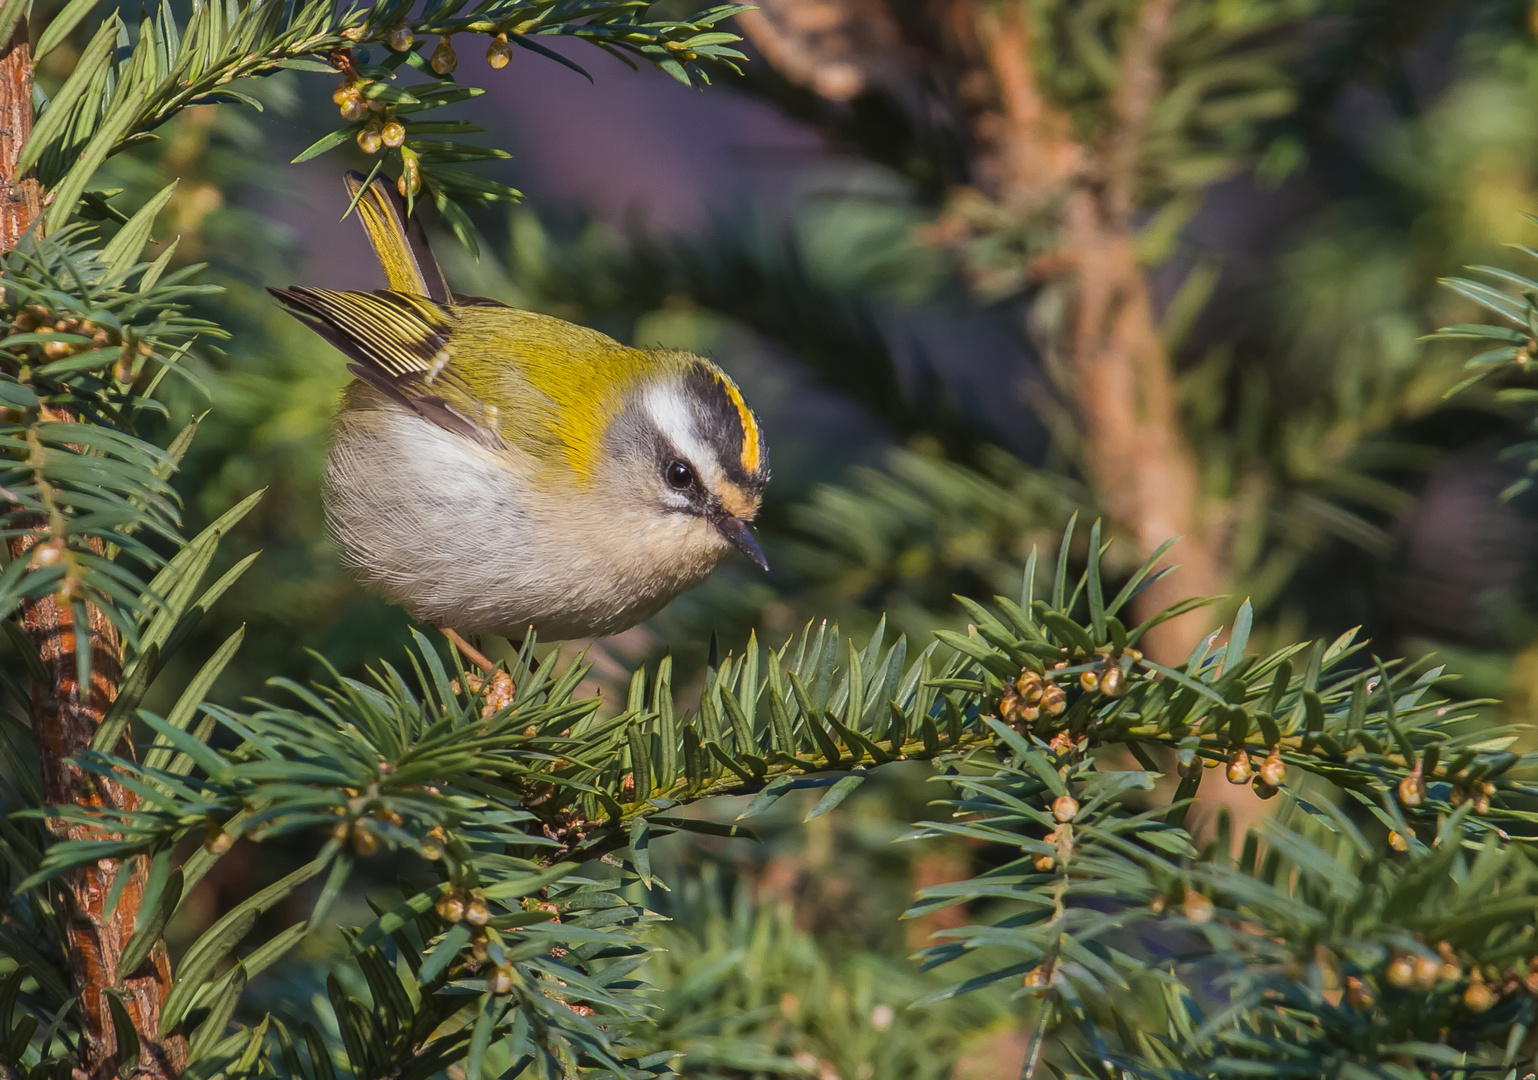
x: 474, y: 655
x: 495, y: 689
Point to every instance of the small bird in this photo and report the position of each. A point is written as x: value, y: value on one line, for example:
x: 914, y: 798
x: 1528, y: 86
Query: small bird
x: 500, y: 471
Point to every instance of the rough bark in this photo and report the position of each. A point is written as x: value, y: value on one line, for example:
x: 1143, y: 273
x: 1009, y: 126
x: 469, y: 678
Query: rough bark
x: 66, y: 715
x: 20, y: 201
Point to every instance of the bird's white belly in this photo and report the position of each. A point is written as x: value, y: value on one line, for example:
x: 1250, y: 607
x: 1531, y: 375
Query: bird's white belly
x: 464, y: 538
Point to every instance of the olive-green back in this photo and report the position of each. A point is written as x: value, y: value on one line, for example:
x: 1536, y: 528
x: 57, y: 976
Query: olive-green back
x: 564, y: 383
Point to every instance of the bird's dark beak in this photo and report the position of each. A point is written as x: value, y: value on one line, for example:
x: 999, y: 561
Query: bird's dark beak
x: 740, y: 535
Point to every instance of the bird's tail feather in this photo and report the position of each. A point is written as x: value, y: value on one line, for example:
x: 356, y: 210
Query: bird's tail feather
x: 398, y: 239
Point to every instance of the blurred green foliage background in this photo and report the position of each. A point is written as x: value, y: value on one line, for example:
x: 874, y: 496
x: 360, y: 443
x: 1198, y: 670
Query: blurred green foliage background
x: 922, y: 435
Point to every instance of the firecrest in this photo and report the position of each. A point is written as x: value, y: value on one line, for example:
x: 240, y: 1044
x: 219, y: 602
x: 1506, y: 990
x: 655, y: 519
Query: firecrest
x: 497, y: 471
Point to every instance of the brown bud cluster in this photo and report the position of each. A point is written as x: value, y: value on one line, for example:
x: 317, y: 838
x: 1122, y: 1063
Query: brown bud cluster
x: 37, y: 319
x: 1029, y: 696
x: 1271, y: 775
x: 49, y: 553
x: 1477, y: 997
x: 1113, y: 683
x: 1479, y: 793
x: 499, y: 694
x: 457, y: 904
x: 1062, y: 836
x: 350, y: 101
x: 1427, y: 972
x: 1412, y: 789
x: 382, y: 129
x: 1422, y: 972
x: 1109, y: 679
x: 30, y: 318
x: 451, y: 905
x: 1063, y: 744
x: 1452, y: 970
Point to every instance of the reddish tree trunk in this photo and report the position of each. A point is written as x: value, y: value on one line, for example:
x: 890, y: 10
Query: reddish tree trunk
x: 19, y: 198
x: 66, y: 715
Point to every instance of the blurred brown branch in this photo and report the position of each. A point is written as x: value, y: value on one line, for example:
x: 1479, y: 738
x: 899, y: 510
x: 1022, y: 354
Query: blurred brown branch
x: 1028, y: 159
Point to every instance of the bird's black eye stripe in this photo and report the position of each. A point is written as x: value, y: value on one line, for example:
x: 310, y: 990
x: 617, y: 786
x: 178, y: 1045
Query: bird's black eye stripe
x: 679, y: 476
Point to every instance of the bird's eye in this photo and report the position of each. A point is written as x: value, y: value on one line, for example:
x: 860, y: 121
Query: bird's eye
x: 679, y: 476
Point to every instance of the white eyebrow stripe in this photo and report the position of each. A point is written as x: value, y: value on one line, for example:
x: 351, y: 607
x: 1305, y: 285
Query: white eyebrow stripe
x: 674, y: 418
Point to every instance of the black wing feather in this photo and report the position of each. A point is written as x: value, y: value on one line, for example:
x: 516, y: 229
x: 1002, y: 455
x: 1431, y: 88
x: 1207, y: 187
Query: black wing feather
x: 398, y: 344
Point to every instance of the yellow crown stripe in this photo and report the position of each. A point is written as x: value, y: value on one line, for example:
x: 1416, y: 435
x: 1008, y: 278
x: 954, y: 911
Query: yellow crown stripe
x: 751, y: 454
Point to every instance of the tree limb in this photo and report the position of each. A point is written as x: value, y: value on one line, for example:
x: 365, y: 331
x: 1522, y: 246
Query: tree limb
x: 1136, y: 453
x: 1131, y: 104
x: 66, y: 714
x: 20, y: 199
